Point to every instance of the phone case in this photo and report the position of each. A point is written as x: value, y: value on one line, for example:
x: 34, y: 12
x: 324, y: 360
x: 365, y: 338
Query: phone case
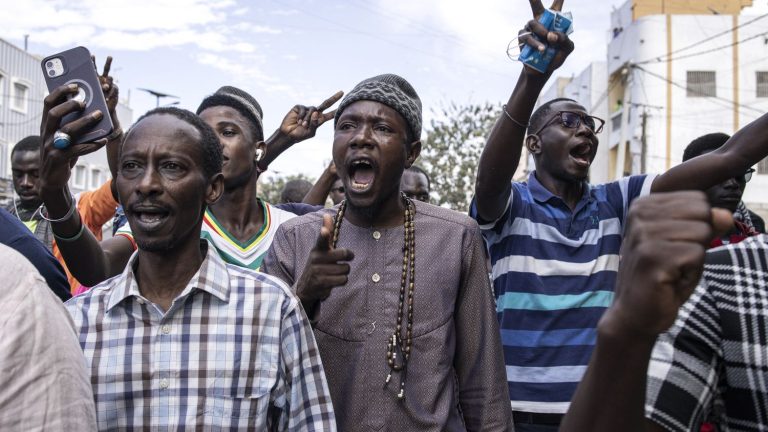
x: 79, y: 69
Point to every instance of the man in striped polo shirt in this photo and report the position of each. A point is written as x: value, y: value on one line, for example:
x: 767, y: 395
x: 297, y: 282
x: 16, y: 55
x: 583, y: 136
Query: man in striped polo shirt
x: 554, y: 241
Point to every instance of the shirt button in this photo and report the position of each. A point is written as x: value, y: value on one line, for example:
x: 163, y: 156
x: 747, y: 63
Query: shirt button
x: 166, y: 329
x: 164, y: 384
x: 140, y: 301
x: 376, y: 235
x: 375, y: 277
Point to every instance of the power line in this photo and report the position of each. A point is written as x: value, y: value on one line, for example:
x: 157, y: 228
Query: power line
x: 398, y: 44
x: 695, y: 44
x: 732, y: 44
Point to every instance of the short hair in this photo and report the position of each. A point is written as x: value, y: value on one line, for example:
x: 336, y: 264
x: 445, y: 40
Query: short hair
x: 542, y: 113
x: 295, y: 190
x: 31, y: 143
x: 704, y: 144
x: 418, y: 170
x: 209, y: 141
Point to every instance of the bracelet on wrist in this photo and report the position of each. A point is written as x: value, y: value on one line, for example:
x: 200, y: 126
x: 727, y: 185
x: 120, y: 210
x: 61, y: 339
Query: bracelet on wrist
x: 73, y: 238
x: 66, y: 217
x: 509, y: 116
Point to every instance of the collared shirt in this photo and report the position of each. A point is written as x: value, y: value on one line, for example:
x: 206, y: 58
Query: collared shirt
x: 712, y: 361
x: 455, y: 375
x: 45, y: 384
x: 234, y: 351
x: 554, y: 271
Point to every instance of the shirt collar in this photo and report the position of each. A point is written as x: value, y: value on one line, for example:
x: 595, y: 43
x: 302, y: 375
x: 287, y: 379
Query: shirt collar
x: 542, y: 194
x: 212, y: 277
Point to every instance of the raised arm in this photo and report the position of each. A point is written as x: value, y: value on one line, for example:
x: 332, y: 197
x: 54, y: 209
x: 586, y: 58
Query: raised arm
x: 746, y: 147
x: 111, y: 95
x: 86, y: 259
x: 299, y: 124
x: 501, y: 154
x: 663, y: 259
x: 319, y: 192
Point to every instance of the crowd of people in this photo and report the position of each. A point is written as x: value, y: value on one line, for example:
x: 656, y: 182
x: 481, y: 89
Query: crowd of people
x: 552, y: 304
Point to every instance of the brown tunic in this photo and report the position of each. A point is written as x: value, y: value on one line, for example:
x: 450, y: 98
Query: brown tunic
x: 456, y: 378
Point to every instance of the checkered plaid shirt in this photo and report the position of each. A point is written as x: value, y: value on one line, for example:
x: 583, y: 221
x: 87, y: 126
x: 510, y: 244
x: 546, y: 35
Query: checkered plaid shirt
x: 714, y: 359
x: 233, y: 352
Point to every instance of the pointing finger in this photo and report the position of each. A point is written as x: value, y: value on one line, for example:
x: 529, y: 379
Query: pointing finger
x: 557, y: 5
x: 327, y: 116
x: 330, y: 101
x: 537, y: 8
x: 324, y: 239
x: 107, y: 67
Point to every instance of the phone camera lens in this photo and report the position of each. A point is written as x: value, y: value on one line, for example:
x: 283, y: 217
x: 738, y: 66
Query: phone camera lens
x: 49, y: 64
x: 51, y: 73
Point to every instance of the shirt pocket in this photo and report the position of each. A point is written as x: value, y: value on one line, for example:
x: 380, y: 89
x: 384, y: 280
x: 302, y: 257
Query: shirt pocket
x: 240, y: 398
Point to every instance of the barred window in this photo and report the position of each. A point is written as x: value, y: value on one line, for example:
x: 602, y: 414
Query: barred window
x: 701, y: 84
x: 762, y: 84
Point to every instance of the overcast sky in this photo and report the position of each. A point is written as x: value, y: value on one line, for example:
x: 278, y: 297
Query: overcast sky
x: 286, y: 52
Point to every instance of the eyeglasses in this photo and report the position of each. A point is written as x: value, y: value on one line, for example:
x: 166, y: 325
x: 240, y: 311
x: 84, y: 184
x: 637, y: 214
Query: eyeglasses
x: 573, y: 120
x: 747, y: 176
x: 339, y: 189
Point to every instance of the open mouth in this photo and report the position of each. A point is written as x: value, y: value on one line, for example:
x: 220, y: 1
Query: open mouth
x: 150, y: 218
x: 362, y: 174
x: 581, y: 154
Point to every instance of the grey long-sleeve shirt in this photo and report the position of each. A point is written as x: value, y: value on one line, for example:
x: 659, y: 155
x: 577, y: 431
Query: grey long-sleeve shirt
x: 456, y: 378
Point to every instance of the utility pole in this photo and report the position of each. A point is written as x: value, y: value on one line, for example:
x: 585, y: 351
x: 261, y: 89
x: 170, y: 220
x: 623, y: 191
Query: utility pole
x: 644, y: 142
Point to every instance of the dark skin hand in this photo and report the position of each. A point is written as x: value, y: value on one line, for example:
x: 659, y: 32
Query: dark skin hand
x: 501, y: 154
x: 662, y: 261
x: 326, y: 269
x: 299, y: 124
x: 84, y: 257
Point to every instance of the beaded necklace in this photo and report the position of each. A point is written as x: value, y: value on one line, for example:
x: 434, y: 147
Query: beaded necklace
x: 398, y: 348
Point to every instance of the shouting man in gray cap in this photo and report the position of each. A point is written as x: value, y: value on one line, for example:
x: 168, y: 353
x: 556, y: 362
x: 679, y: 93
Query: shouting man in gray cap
x: 396, y: 289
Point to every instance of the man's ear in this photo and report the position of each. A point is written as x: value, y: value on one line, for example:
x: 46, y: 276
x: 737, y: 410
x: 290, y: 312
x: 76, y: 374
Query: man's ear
x: 215, y: 189
x: 261, y: 151
x: 533, y: 144
x: 413, y: 154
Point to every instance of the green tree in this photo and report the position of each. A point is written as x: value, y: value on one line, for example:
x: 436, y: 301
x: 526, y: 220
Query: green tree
x: 271, y: 186
x: 451, y: 151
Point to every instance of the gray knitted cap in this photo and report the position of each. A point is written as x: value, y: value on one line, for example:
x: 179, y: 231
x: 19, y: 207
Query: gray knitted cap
x: 237, y: 99
x: 394, y: 92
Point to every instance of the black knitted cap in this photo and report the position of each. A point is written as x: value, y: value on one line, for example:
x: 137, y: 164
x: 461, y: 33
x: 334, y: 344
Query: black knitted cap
x: 391, y: 90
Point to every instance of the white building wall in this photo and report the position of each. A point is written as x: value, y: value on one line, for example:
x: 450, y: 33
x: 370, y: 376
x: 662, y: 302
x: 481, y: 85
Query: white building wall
x: 644, y: 40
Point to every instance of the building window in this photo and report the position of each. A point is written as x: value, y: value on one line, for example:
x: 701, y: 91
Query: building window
x: 762, y: 84
x: 701, y: 84
x: 2, y: 88
x: 19, y: 96
x: 80, y: 175
x: 762, y: 166
x: 95, y: 178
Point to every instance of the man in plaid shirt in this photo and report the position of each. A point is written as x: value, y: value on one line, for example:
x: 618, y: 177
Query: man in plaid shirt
x: 181, y: 340
x: 711, y: 312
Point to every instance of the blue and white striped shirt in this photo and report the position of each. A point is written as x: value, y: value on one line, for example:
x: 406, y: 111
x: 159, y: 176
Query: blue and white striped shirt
x: 554, y: 272
x: 233, y: 352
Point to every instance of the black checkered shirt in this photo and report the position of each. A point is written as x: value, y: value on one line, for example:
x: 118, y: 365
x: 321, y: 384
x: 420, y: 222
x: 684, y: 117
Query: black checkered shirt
x: 714, y: 359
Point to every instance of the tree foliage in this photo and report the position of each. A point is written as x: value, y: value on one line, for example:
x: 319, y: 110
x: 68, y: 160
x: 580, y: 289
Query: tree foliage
x: 451, y: 151
x: 271, y: 186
